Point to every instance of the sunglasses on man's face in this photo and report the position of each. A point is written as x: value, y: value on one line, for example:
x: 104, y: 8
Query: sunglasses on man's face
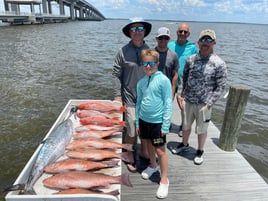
x: 151, y: 63
x: 138, y: 28
x: 183, y: 31
x: 206, y: 40
x: 163, y: 38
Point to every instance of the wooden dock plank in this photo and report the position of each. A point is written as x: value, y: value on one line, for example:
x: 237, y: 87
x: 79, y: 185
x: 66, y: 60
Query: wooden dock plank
x: 222, y: 176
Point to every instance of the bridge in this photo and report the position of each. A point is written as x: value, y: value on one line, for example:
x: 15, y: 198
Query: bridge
x: 41, y: 11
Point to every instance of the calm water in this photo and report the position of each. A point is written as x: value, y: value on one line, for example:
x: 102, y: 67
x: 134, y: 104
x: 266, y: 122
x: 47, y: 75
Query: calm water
x: 43, y: 66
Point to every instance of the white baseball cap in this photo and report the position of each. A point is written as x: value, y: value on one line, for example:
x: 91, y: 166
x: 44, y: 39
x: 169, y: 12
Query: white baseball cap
x: 163, y: 31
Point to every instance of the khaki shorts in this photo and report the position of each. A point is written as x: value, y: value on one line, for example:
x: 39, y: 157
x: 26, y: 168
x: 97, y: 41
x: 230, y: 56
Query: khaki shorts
x: 129, y: 118
x: 195, y: 112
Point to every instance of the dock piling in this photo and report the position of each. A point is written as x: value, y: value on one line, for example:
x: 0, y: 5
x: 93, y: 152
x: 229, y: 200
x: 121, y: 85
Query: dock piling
x: 234, y: 111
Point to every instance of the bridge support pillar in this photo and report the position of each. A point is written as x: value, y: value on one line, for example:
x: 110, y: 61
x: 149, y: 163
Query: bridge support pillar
x: 62, y: 12
x: 44, y: 6
x: 72, y: 10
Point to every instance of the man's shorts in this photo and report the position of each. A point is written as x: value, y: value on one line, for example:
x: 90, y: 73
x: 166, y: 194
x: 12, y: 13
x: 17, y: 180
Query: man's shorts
x: 152, y: 131
x: 129, y: 118
x: 199, y: 113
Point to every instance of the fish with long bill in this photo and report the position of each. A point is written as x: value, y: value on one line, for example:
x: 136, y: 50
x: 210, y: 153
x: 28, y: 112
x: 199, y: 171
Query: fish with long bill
x: 53, y: 147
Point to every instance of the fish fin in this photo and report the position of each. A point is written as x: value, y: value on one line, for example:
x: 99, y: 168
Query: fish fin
x: 125, y: 180
x: 122, y: 108
x: 128, y: 147
x: 124, y: 156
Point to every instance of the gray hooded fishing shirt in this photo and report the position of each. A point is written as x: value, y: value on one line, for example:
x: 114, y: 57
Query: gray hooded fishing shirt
x: 204, y: 79
x: 127, y: 71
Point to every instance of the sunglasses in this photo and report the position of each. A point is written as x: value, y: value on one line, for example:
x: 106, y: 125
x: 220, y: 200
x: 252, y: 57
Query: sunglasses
x: 163, y: 38
x: 151, y: 63
x: 139, y: 29
x: 181, y: 31
x: 206, y: 40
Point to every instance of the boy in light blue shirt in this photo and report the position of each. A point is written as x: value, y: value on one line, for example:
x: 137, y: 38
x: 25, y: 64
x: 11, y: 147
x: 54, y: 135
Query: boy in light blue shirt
x: 153, y: 116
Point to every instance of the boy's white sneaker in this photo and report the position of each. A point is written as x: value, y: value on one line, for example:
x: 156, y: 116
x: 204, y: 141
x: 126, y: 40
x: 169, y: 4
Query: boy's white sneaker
x: 162, y: 191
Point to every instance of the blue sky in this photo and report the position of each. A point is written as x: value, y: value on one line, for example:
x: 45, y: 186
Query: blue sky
x: 245, y: 11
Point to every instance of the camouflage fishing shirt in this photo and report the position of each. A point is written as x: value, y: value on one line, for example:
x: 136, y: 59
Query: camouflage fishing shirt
x: 204, y: 79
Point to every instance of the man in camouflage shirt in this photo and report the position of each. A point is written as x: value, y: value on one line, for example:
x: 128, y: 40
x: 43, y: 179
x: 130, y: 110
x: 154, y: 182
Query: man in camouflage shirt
x: 203, y: 82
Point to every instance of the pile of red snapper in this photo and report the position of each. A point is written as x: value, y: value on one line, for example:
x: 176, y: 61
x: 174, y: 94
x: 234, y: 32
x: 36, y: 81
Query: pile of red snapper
x: 92, y: 148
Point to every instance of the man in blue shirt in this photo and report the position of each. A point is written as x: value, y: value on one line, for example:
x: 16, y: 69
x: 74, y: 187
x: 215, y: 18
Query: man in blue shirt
x: 183, y: 48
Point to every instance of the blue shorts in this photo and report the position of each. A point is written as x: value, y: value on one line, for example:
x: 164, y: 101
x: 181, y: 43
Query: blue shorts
x: 152, y: 131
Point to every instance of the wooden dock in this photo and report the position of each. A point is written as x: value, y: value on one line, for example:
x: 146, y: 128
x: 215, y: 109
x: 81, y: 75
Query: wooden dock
x: 225, y: 176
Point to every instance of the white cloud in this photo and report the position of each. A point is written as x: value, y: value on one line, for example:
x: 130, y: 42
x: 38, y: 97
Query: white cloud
x: 194, y: 3
x: 188, y: 10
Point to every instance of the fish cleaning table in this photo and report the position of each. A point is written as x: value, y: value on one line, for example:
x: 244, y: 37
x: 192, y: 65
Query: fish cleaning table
x: 44, y: 193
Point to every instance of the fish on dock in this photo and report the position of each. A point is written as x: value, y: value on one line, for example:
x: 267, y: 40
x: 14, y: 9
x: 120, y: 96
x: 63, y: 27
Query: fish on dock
x: 97, y: 128
x: 95, y: 134
x: 93, y: 113
x: 101, y: 121
x: 97, y: 143
x: 96, y: 154
x: 84, y: 180
x: 71, y: 164
x: 53, y: 147
x: 108, y: 106
x: 86, y: 191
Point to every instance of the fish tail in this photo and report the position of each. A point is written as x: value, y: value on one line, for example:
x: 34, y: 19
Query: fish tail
x: 125, y: 180
x: 21, y: 187
x: 122, y: 123
x: 114, y: 163
x: 124, y: 157
x: 16, y: 187
x: 118, y: 129
x: 114, y: 193
x: 122, y: 108
x: 128, y: 147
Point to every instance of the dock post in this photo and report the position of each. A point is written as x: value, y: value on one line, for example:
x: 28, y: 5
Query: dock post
x: 235, y: 108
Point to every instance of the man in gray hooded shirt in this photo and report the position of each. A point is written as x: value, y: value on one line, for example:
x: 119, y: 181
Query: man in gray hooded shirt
x: 127, y: 71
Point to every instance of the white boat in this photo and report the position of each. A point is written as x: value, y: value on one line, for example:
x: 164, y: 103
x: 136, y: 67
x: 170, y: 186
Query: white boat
x: 43, y: 193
